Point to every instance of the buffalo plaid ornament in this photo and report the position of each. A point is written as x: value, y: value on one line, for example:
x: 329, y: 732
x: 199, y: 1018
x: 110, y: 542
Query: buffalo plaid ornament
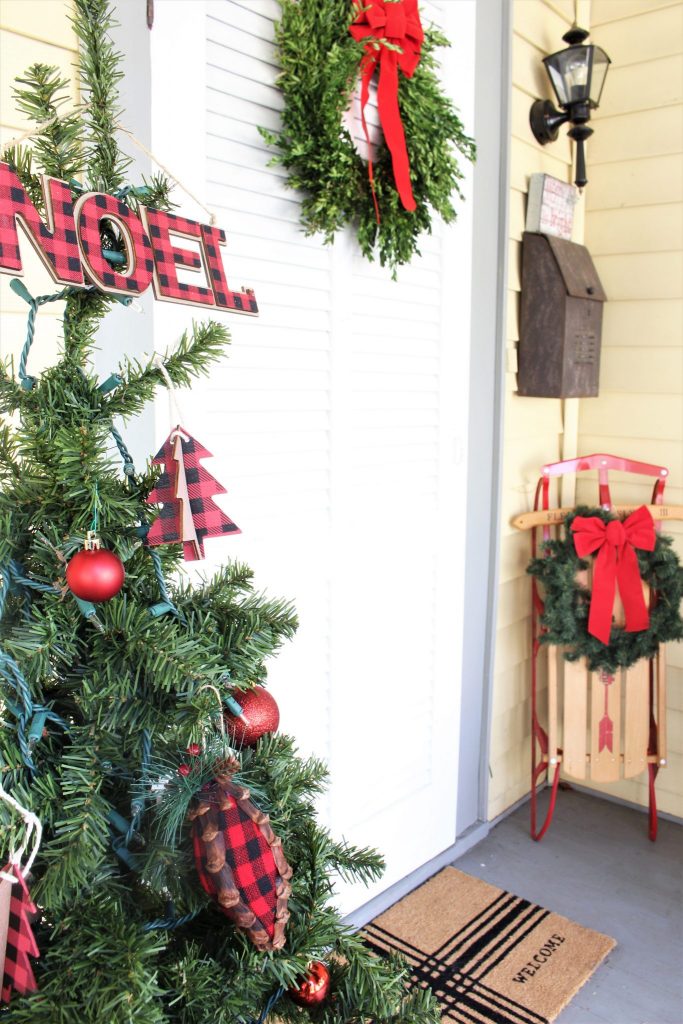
x: 240, y: 861
x: 184, y: 489
x: 17, y: 973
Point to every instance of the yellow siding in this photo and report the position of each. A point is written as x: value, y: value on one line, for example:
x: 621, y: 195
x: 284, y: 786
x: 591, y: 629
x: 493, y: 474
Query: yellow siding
x: 533, y: 427
x: 31, y: 31
x: 631, y: 219
x: 634, y: 228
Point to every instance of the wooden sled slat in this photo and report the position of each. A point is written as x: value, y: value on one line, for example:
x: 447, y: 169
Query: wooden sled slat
x: 575, y: 718
x: 636, y: 718
x: 660, y: 667
x: 605, y: 763
x: 555, y: 516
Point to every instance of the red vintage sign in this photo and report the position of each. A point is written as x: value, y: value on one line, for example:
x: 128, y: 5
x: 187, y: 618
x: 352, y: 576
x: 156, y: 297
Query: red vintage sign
x: 69, y: 242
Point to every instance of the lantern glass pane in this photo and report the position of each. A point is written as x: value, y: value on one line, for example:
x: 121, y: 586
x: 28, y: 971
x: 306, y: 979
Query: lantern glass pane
x: 569, y: 73
x: 600, y: 64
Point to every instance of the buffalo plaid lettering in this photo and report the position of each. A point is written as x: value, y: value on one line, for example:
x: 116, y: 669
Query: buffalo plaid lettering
x: 91, y: 209
x: 168, y: 256
x: 242, y: 302
x: 56, y: 241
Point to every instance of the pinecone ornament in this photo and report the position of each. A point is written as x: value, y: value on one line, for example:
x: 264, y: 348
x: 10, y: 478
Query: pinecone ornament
x: 240, y: 861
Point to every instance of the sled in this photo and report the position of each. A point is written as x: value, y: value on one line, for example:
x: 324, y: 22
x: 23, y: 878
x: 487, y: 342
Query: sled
x: 597, y: 728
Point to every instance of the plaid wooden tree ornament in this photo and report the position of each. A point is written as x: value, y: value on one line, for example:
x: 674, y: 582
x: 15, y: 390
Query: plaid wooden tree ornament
x: 19, y: 943
x: 184, y: 489
x: 240, y: 861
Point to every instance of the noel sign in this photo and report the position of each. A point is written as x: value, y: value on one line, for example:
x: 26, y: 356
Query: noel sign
x: 69, y: 243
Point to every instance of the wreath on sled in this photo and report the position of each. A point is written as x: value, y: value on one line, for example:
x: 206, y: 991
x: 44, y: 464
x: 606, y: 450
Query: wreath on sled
x: 324, y: 47
x: 570, y: 615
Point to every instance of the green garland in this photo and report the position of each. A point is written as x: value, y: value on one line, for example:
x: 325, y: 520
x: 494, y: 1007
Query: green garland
x: 566, y: 602
x: 319, y: 63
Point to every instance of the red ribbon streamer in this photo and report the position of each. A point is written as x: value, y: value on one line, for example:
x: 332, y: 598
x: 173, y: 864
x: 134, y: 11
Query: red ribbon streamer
x: 616, y: 563
x: 396, y: 22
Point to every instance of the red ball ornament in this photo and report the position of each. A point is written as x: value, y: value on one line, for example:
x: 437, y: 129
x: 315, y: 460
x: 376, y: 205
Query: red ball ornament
x: 184, y: 770
x: 95, y: 574
x: 194, y: 750
x: 313, y: 988
x: 262, y: 715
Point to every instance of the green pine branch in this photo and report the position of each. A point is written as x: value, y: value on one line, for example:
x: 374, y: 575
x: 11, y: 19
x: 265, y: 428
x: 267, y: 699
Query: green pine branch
x: 100, y: 73
x: 193, y: 355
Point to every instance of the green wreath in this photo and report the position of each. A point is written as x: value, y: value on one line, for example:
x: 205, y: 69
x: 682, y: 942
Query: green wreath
x: 319, y: 63
x: 566, y: 602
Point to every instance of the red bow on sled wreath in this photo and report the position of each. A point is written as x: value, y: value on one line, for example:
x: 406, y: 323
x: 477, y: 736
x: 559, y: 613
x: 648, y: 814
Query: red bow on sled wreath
x: 616, y: 562
x: 396, y: 22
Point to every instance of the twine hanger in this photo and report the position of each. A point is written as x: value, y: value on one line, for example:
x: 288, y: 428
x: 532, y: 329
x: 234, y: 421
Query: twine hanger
x: 33, y: 132
x: 174, y: 411
x: 34, y: 828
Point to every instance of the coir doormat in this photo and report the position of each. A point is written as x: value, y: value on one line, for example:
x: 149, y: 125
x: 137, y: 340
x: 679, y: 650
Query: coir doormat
x: 490, y: 957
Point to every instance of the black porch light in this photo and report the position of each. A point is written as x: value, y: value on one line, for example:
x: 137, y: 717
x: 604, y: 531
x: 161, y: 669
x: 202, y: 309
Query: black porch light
x: 577, y: 76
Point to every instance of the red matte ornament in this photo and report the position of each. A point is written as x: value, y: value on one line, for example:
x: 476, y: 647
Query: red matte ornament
x: 95, y: 574
x: 314, y: 988
x: 188, y: 515
x: 396, y: 22
x: 262, y: 715
x: 616, y: 563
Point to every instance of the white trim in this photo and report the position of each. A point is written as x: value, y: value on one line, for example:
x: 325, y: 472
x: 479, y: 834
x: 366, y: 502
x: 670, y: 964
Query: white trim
x: 396, y: 892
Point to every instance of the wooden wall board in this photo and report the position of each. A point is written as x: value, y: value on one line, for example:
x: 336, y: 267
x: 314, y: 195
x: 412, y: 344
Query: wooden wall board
x: 654, y: 228
x: 657, y: 370
x: 43, y: 20
x: 650, y: 275
x: 540, y: 25
x: 646, y: 133
x: 604, y: 11
x: 634, y: 415
x: 648, y: 35
x: 642, y: 322
x: 17, y: 52
x: 638, y: 182
x: 635, y: 88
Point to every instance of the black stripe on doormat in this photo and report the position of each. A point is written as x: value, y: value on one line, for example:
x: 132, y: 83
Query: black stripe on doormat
x: 482, y: 918
x: 490, y: 936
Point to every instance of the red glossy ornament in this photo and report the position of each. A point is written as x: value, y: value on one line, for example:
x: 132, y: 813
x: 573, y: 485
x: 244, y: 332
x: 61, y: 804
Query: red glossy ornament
x: 262, y: 715
x: 194, y: 750
x: 313, y: 988
x: 184, y: 770
x: 95, y: 574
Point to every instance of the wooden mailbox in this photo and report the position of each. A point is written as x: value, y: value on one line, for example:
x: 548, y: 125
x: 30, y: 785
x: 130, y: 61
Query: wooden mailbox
x: 561, y: 319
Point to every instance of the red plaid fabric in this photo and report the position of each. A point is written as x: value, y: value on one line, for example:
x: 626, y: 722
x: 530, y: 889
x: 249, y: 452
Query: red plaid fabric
x: 209, y: 520
x: 240, y: 302
x: 55, y: 242
x: 90, y: 210
x: 251, y: 861
x: 167, y: 256
x: 18, y: 975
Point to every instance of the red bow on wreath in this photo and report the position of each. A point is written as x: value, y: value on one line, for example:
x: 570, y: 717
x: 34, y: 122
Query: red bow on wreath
x: 616, y: 562
x: 396, y: 22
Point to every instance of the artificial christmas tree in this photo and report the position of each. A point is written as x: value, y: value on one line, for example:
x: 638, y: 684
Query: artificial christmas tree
x: 112, y: 712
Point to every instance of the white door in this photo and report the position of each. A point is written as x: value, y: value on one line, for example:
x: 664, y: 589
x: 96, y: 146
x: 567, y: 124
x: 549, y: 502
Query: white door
x: 338, y: 425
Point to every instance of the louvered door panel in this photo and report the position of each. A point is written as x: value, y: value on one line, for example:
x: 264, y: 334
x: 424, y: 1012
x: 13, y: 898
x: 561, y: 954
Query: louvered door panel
x: 336, y: 424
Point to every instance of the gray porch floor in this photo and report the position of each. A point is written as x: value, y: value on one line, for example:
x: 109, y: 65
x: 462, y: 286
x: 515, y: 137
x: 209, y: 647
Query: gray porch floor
x: 596, y: 866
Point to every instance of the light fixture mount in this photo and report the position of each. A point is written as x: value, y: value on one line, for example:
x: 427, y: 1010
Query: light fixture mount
x: 577, y: 75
